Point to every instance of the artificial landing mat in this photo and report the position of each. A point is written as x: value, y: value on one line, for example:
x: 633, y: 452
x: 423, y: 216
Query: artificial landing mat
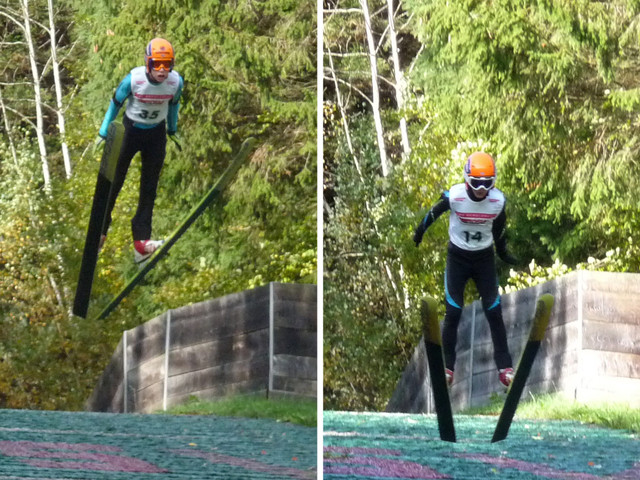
x: 380, y: 446
x: 99, y: 446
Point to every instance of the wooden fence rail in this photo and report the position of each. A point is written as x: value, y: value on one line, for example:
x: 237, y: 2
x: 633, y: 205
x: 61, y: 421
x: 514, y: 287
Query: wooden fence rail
x: 260, y: 340
x: 591, y: 350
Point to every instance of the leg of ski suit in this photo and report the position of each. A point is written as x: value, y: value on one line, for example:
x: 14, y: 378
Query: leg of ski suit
x: 486, y: 279
x: 151, y: 143
x: 479, y: 266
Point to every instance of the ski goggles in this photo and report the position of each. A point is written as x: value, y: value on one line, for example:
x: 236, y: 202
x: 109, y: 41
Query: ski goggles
x: 481, y: 183
x: 157, y: 65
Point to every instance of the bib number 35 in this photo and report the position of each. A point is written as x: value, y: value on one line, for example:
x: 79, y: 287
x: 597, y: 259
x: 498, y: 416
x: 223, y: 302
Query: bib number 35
x: 150, y: 115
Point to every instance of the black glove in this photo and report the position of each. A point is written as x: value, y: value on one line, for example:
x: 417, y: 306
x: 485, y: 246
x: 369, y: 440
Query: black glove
x: 506, y: 257
x: 417, y: 236
x: 173, y: 136
x: 98, y: 144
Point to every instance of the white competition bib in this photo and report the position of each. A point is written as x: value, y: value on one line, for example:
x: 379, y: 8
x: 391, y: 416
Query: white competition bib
x: 470, y: 222
x: 149, y: 103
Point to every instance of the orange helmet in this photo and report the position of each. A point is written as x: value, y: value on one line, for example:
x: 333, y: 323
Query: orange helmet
x: 159, y: 54
x: 480, y: 171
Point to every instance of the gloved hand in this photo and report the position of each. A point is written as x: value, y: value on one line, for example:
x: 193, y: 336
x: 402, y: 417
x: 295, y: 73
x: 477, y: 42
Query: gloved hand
x: 417, y: 236
x: 508, y: 258
x: 176, y: 139
x: 98, y: 144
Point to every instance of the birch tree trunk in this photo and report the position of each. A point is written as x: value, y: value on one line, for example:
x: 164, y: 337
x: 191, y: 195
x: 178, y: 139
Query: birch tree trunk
x: 343, y: 115
x: 38, y: 98
x: 7, y: 128
x: 393, y: 271
x: 375, y: 89
x: 400, y: 82
x: 58, y: 88
x: 347, y: 133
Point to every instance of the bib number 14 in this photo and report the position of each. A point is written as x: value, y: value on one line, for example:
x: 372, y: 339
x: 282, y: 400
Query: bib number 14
x: 476, y: 236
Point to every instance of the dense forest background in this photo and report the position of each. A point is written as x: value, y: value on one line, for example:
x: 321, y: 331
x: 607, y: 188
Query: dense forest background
x: 550, y: 88
x: 249, y: 70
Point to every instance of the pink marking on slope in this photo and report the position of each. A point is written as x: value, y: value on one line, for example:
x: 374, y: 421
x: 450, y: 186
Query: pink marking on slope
x: 36, y: 452
x: 363, y: 451
x: 248, y: 464
x: 378, y: 467
x: 547, y: 471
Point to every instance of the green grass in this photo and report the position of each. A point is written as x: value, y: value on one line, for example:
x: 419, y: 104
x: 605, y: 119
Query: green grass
x: 292, y: 410
x: 557, y: 407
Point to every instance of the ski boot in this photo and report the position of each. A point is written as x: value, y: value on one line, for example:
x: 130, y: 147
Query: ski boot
x: 448, y: 374
x: 506, y: 376
x: 142, y: 249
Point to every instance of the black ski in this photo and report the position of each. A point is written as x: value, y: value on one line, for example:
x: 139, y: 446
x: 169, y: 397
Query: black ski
x: 106, y: 174
x: 433, y: 346
x: 536, y: 335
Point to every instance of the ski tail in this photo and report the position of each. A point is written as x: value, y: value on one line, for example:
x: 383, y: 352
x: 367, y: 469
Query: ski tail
x: 106, y: 174
x: 433, y: 346
x: 536, y: 335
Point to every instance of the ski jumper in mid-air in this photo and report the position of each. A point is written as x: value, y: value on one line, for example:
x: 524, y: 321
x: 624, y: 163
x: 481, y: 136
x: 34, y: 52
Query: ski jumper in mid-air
x: 477, y: 221
x: 153, y: 92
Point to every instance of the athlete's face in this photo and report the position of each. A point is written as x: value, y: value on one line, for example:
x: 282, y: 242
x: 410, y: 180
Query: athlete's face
x: 481, y: 193
x: 159, y: 75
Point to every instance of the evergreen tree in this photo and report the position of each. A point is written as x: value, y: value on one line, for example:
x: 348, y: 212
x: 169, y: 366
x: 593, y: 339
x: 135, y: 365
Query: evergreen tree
x: 249, y: 70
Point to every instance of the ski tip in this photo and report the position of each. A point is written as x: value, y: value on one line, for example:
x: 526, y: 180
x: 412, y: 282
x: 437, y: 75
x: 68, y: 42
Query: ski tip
x: 248, y: 143
x: 541, y: 319
x: 547, y: 298
x: 115, y: 127
x: 429, y: 317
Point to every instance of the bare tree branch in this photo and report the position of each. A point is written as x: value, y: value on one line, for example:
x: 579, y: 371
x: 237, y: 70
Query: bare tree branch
x: 351, y: 86
x: 374, y: 86
x: 342, y: 10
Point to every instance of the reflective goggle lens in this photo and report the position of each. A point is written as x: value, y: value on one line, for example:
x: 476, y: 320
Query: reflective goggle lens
x: 478, y: 183
x: 160, y: 64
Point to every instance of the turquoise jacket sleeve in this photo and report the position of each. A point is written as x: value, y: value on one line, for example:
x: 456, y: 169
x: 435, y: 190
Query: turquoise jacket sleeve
x: 174, y: 106
x: 121, y: 94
